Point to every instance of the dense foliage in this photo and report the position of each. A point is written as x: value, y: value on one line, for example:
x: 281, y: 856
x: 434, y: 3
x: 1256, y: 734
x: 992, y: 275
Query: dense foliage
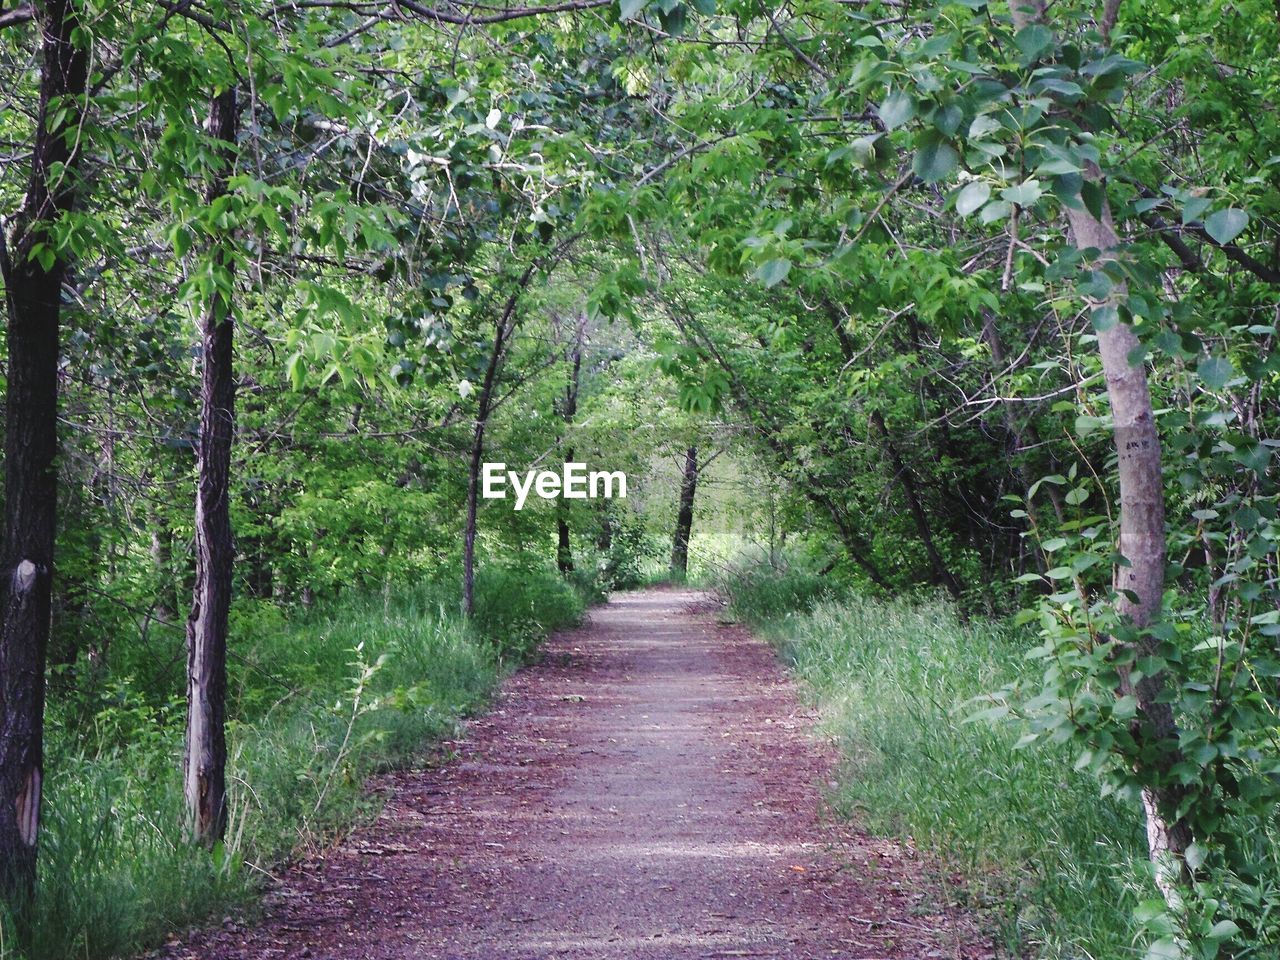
x: 975, y: 297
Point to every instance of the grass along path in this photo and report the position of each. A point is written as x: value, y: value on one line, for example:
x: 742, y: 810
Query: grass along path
x: 1057, y: 869
x: 357, y: 687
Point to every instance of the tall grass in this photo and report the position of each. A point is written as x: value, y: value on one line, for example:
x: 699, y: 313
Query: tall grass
x: 320, y: 704
x: 1057, y: 868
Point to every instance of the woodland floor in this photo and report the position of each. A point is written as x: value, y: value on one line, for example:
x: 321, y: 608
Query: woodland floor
x: 650, y: 789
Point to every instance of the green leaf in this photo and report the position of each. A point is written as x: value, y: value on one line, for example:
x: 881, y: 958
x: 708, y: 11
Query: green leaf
x: 629, y: 9
x: 1196, y: 855
x: 983, y: 125
x: 1166, y: 948
x: 1066, y: 187
x: 1064, y: 88
x: 995, y: 210
x: 705, y: 7
x: 295, y: 369
x: 863, y: 150
x: 181, y: 239
x: 43, y: 254
x: 1094, y: 196
x: 1193, y: 209
x: 1215, y: 372
x: 947, y: 119
x: 773, y: 272
x: 1225, y: 225
x: 1033, y: 40
x: 1057, y: 166
x: 1105, y: 317
x: 1223, y: 929
x: 935, y: 159
x: 973, y: 196
x: 897, y: 109
x: 1023, y: 194
x: 673, y: 21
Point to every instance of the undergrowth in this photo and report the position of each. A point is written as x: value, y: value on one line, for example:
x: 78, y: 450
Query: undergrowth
x: 365, y: 684
x: 1057, y: 868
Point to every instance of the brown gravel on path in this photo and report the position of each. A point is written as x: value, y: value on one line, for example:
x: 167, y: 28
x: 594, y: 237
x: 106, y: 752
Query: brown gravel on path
x: 650, y: 789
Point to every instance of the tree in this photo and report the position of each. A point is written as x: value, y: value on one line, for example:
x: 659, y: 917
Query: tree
x: 568, y: 410
x: 504, y: 327
x: 35, y: 266
x: 997, y: 126
x: 206, y: 746
x: 1139, y: 579
x: 684, y: 515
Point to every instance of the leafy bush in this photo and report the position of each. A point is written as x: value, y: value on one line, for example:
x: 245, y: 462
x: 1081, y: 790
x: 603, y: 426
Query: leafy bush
x: 516, y: 608
x: 588, y: 583
x: 633, y: 555
x: 758, y: 592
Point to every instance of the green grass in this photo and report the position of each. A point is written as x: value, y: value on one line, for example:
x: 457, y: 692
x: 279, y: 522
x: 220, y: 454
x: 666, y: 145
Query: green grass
x: 1056, y: 868
x: 320, y: 704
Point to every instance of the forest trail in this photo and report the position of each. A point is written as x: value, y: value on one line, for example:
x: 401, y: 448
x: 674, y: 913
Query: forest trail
x: 648, y: 790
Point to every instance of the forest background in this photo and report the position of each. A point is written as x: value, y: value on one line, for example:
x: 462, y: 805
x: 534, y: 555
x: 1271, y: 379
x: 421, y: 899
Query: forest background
x: 939, y: 338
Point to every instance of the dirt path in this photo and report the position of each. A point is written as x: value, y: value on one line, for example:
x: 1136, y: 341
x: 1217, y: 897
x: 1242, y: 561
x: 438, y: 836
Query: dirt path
x: 647, y: 791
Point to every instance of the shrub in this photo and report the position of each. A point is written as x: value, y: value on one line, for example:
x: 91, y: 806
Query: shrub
x: 1058, y: 868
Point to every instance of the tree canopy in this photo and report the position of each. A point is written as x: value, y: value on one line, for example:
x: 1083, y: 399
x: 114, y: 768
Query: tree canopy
x: 972, y: 297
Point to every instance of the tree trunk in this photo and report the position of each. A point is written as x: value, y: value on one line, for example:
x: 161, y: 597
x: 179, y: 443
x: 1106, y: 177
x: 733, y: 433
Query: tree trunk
x: 856, y: 546
x: 206, y: 746
x: 33, y: 297
x: 162, y: 560
x: 484, y: 404
x: 564, y: 546
x: 469, y: 530
x: 1139, y: 584
x: 684, y: 518
x: 941, y: 571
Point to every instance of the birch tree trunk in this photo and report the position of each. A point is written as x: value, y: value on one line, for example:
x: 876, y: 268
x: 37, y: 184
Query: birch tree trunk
x: 1139, y: 584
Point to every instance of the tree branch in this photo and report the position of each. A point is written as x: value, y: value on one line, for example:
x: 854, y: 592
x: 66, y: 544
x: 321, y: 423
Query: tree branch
x: 22, y: 14
x: 1191, y: 261
x: 514, y: 13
